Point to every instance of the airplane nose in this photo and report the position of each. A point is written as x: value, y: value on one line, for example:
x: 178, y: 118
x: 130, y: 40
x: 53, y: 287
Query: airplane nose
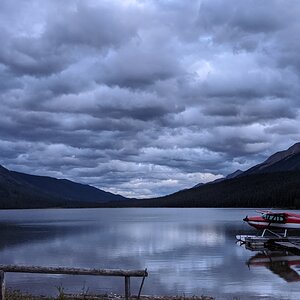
x: 246, y: 219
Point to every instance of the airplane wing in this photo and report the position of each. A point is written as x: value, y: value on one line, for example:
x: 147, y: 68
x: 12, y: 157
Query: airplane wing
x: 265, y: 212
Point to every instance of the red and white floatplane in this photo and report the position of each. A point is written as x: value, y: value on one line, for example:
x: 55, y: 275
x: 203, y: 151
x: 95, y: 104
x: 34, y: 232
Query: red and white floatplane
x: 268, y: 221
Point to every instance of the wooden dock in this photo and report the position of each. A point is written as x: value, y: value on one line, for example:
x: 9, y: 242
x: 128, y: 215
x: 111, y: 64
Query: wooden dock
x: 256, y: 243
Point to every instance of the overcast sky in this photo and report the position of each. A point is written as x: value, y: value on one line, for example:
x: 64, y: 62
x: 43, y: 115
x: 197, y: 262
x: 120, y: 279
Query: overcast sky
x: 144, y: 98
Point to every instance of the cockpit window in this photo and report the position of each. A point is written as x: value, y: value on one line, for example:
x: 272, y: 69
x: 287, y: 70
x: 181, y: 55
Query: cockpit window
x: 276, y: 218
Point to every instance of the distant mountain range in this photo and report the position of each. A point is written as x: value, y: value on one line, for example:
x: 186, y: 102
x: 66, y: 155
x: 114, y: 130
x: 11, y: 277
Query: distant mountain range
x: 273, y: 183
x: 20, y: 190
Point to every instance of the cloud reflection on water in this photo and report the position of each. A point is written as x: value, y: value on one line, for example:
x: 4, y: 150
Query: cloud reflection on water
x: 186, y: 251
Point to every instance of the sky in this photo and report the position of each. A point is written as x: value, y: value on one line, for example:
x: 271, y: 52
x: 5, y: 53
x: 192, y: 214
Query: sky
x: 144, y: 98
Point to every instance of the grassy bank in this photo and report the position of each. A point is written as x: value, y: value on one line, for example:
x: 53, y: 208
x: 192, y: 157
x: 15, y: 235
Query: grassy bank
x: 17, y: 295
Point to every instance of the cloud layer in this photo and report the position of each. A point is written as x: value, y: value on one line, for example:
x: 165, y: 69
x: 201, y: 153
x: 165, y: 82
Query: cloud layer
x: 144, y: 98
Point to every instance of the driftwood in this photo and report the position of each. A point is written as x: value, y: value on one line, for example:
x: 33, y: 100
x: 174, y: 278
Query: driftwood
x: 72, y: 271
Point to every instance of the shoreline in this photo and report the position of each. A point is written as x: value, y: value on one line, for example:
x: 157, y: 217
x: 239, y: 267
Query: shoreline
x: 18, y: 295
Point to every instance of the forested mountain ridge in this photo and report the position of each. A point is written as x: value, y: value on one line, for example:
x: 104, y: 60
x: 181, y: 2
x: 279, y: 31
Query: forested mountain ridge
x: 258, y: 190
x: 20, y: 190
x: 282, y: 161
x: 273, y: 183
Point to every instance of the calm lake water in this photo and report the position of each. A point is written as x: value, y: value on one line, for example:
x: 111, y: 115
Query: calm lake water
x: 186, y: 251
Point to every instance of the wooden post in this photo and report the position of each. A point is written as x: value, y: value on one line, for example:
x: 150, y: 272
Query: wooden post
x: 140, y: 290
x: 127, y: 288
x: 2, y: 285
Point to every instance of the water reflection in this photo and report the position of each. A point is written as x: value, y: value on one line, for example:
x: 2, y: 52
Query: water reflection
x: 282, y: 263
x: 187, y: 251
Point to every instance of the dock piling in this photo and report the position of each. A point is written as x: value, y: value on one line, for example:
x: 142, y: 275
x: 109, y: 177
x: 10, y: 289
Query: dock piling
x: 127, y: 288
x: 142, y: 284
x: 2, y: 285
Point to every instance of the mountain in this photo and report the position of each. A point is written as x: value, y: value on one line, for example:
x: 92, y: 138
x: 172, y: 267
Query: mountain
x: 198, y: 185
x: 20, y: 190
x: 14, y: 194
x: 66, y: 189
x: 229, y: 176
x: 234, y: 174
x: 282, y: 161
x: 273, y: 183
x: 277, y: 190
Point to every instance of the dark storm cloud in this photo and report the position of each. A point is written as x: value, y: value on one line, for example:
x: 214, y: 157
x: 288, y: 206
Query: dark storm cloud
x: 234, y: 21
x: 7, y: 82
x: 147, y: 97
x: 149, y: 69
x: 29, y: 60
x: 101, y: 25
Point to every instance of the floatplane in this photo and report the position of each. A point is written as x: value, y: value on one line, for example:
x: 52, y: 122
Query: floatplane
x: 268, y: 221
x: 274, y: 220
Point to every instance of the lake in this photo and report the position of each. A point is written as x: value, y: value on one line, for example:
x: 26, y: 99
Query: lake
x: 186, y: 251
